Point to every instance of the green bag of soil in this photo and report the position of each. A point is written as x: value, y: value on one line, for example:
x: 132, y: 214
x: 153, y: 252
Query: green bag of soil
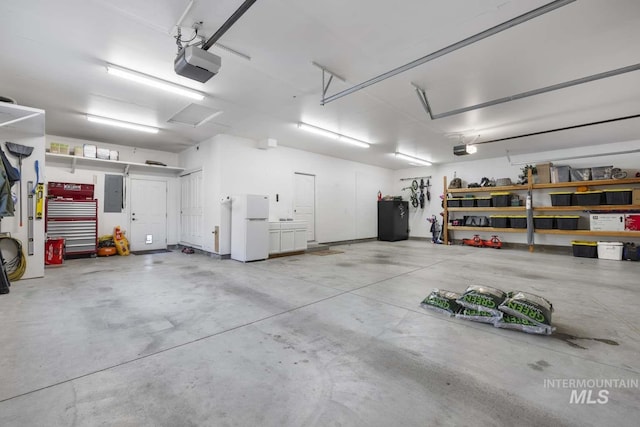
x: 478, y: 315
x: 442, y: 301
x: 483, y: 298
x: 532, y: 308
x: 512, y: 322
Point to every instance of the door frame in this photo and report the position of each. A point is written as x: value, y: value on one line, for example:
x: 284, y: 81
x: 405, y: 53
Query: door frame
x: 314, y: 201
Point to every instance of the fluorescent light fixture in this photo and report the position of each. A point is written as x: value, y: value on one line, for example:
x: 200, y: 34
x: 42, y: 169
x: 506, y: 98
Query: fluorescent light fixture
x: 472, y: 149
x: 333, y: 135
x: 119, y: 123
x: 153, y: 82
x: 413, y: 160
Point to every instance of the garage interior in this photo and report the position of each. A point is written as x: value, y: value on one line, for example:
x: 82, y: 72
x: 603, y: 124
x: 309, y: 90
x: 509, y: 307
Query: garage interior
x: 327, y: 327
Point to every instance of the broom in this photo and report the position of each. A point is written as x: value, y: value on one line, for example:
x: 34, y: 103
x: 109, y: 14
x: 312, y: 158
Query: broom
x: 21, y: 152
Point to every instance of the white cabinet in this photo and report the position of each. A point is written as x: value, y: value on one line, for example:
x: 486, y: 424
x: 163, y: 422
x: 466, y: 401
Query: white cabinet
x: 287, y: 236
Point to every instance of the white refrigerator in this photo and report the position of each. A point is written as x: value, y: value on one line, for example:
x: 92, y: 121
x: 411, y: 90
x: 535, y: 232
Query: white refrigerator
x: 249, y: 227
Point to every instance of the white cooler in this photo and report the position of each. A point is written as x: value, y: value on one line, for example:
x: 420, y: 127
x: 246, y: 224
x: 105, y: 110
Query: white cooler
x: 610, y: 250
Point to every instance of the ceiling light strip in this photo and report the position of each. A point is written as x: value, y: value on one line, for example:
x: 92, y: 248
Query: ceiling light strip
x: 333, y: 135
x: 153, y: 82
x: 121, y: 124
x: 413, y: 159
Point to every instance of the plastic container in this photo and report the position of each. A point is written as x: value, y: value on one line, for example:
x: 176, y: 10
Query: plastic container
x: 544, y: 222
x: 601, y: 172
x: 561, y: 198
x: 501, y: 200
x: 468, y: 202
x: 585, y: 249
x: 588, y: 198
x: 483, y: 202
x: 518, y: 221
x: 580, y: 174
x: 610, y: 250
x: 567, y: 222
x: 560, y: 174
x: 453, y: 203
x: 499, y: 221
x: 618, y: 196
x: 631, y: 252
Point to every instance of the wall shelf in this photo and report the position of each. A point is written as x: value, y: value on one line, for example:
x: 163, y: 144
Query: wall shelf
x: 591, y: 233
x: 530, y: 187
x: 126, y: 167
x: 587, y: 208
x: 588, y: 183
x: 488, y: 189
x: 488, y: 229
x: 489, y: 209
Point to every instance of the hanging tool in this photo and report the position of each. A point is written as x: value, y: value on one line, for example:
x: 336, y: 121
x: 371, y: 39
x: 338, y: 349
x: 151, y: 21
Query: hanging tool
x: 39, y: 200
x: 38, y: 190
x: 21, y: 152
x: 30, y: 217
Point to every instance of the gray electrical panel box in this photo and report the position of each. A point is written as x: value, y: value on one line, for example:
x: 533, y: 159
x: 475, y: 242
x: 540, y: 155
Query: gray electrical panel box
x: 113, y: 193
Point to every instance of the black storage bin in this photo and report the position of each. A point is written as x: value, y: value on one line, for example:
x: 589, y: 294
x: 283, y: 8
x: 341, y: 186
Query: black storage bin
x: 618, y: 196
x: 501, y: 200
x: 585, y: 249
x: 631, y: 252
x: 483, y: 202
x: 561, y: 198
x: 567, y: 222
x: 518, y: 221
x: 453, y: 203
x: 499, y: 221
x: 544, y: 222
x: 468, y: 202
x: 588, y: 198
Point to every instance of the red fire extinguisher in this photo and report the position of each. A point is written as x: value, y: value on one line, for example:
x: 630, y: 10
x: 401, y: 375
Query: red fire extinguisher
x: 379, y: 196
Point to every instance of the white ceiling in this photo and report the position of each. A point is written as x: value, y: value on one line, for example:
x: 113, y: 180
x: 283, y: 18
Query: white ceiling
x: 53, y: 57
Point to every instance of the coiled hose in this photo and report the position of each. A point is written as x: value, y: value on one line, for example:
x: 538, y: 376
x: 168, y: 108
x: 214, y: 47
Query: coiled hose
x: 18, y: 264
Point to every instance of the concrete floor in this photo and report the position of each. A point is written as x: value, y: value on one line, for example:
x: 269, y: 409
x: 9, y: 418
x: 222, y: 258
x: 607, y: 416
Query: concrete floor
x: 186, y: 340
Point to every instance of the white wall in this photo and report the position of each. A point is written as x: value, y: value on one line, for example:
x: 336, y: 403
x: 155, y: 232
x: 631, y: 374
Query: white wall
x: 60, y: 171
x: 346, y: 191
x: 473, y: 171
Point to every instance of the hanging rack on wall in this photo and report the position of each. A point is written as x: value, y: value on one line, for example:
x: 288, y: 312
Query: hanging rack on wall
x: 416, y: 177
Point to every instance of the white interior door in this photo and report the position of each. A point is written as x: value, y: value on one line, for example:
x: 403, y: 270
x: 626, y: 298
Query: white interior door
x: 191, y: 211
x: 148, y: 227
x: 304, y: 202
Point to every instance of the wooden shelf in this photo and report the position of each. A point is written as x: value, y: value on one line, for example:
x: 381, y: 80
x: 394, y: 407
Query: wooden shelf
x: 492, y: 209
x: 591, y: 233
x: 125, y: 166
x: 587, y: 208
x: 488, y: 229
x: 588, y: 183
x: 489, y: 189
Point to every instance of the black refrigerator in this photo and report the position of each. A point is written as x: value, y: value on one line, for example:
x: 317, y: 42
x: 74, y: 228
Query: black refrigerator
x: 393, y: 220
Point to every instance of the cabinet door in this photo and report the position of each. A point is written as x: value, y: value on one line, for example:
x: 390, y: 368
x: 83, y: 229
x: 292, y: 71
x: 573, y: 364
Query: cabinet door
x: 300, y: 240
x: 274, y: 241
x: 287, y: 239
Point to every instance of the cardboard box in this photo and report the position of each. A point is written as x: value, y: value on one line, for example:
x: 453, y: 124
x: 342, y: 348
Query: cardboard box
x: 543, y: 173
x: 635, y: 196
x: 606, y: 222
x: 632, y: 222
